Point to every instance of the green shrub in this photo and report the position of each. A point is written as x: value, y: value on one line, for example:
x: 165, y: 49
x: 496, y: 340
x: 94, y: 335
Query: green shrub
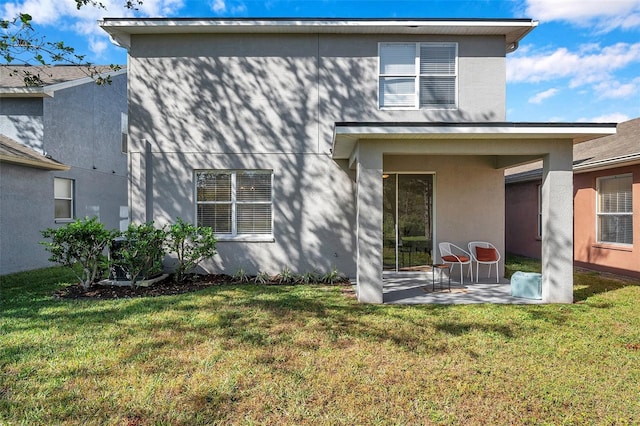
x: 309, y: 278
x: 191, y: 244
x: 286, y: 277
x: 141, y: 252
x: 81, y: 242
x: 332, y: 277
x: 262, y: 278
x: 241, y: 276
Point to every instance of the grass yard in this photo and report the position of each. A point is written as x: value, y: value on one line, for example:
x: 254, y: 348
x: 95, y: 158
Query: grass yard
x: 312, y: 355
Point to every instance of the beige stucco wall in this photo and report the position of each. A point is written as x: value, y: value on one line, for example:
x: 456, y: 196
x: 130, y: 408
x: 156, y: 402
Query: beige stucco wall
x: 469, y: 196
x: 282, y: 93
x: 270, y: 101
x: 313, y: 210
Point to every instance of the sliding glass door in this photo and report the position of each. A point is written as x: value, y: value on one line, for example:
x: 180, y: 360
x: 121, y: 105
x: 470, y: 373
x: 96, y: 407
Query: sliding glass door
x: 407, y: 221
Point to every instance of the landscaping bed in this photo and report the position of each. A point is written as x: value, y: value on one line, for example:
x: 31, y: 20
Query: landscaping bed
x: 165, y: 287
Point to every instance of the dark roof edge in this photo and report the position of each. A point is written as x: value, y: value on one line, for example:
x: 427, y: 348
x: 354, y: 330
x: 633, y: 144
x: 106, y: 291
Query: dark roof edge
x: 585, y: 167
x: 307, y: 19
x: 471, y: 124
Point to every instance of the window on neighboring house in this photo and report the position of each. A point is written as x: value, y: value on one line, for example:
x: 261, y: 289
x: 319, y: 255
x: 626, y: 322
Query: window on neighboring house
x: 235, y: 203
x: 418, y: 75
x: 63, y: 198
x: 615, y: 209
x: 539, y: 211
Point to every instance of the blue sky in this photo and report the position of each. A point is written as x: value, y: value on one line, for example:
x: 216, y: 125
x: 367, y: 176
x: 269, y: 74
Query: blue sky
x: 582, y: 63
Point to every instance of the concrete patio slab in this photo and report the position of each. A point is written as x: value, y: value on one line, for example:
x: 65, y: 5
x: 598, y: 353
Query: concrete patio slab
x: 416, y: 288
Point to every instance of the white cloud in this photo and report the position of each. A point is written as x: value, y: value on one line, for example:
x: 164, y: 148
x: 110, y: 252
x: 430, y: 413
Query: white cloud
x: 616, y: 117
x: 602, y: 16
x: 64, y: 13
x: 581, y: 67
x: 539, y: 97
x: 97, y: 46
x: 239, y: 9
x: 160, y: 8
x: 218, y: 6
x: 234, y: 8
x: 613, y: 89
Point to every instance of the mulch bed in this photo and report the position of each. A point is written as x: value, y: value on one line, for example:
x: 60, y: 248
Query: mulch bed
x: 161, y: 288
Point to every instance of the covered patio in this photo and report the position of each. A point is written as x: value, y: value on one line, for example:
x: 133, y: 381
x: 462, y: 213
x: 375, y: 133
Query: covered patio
x: 467, y: 162
x: 416, y: 289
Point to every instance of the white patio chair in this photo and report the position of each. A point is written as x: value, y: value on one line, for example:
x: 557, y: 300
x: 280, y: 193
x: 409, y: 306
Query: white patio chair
x: 484, y: 253
x: 452, y: 254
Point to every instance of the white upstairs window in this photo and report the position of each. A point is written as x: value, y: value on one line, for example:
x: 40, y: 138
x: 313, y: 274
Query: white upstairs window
x: 418, y: 75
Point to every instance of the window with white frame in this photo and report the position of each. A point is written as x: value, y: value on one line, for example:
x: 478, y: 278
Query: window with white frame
x: 235, y: 203
x: 63, y: 198
x: 418, y: 75
x: 615, y: 209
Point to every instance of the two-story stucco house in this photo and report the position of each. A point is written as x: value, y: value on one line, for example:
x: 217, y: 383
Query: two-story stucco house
x: 357, y: 144
x: 61, y: 158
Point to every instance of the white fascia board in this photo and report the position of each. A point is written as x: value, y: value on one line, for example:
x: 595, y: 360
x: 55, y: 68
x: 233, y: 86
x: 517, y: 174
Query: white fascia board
x: 121, y: 29
x: 24, y: 92
x: 609, y: 163
x: 346, y: 137
x: 481, y: 131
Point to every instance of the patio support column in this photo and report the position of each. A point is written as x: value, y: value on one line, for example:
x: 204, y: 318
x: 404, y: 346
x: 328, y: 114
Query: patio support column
x: 369, y: 225
x: 557, y: 224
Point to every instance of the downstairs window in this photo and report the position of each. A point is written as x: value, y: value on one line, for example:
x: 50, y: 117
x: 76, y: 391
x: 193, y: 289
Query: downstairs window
x: 236, y: 204
x: 615, y: 209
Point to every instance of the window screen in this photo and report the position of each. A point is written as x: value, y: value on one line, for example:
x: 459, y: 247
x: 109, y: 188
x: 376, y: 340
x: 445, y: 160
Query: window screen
x: 418, y: 75
x: 615, y: 209
x: 63, y: 198
x: 236, y: 202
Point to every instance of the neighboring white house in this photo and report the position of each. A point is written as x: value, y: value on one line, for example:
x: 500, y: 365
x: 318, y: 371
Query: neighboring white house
x: 310, y: 143
x: 61, y: 158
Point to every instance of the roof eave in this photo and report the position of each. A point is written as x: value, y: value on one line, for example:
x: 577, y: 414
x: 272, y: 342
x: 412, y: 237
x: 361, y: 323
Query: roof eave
x: 346, y: 135
x: 609, y: 163
x: 38, y: 164
x: 121, y: 29
x: 25, y: 92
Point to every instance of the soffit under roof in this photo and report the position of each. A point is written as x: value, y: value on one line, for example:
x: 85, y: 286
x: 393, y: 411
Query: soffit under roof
x: 347, y: 135
x: 513, y: 30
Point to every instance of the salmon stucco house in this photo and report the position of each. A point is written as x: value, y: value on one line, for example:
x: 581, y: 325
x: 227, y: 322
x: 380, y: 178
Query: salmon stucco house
x: 606, y: 199
x: 305, y: 143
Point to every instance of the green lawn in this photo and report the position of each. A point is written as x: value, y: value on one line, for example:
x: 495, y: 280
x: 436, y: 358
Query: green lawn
x: 313, y: 355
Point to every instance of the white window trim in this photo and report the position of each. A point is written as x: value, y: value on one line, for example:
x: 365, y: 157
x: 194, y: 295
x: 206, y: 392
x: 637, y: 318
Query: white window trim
x: 599, y: 213
x: 417, y: 76
x: 234, y: 236
x: 72, y: 199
